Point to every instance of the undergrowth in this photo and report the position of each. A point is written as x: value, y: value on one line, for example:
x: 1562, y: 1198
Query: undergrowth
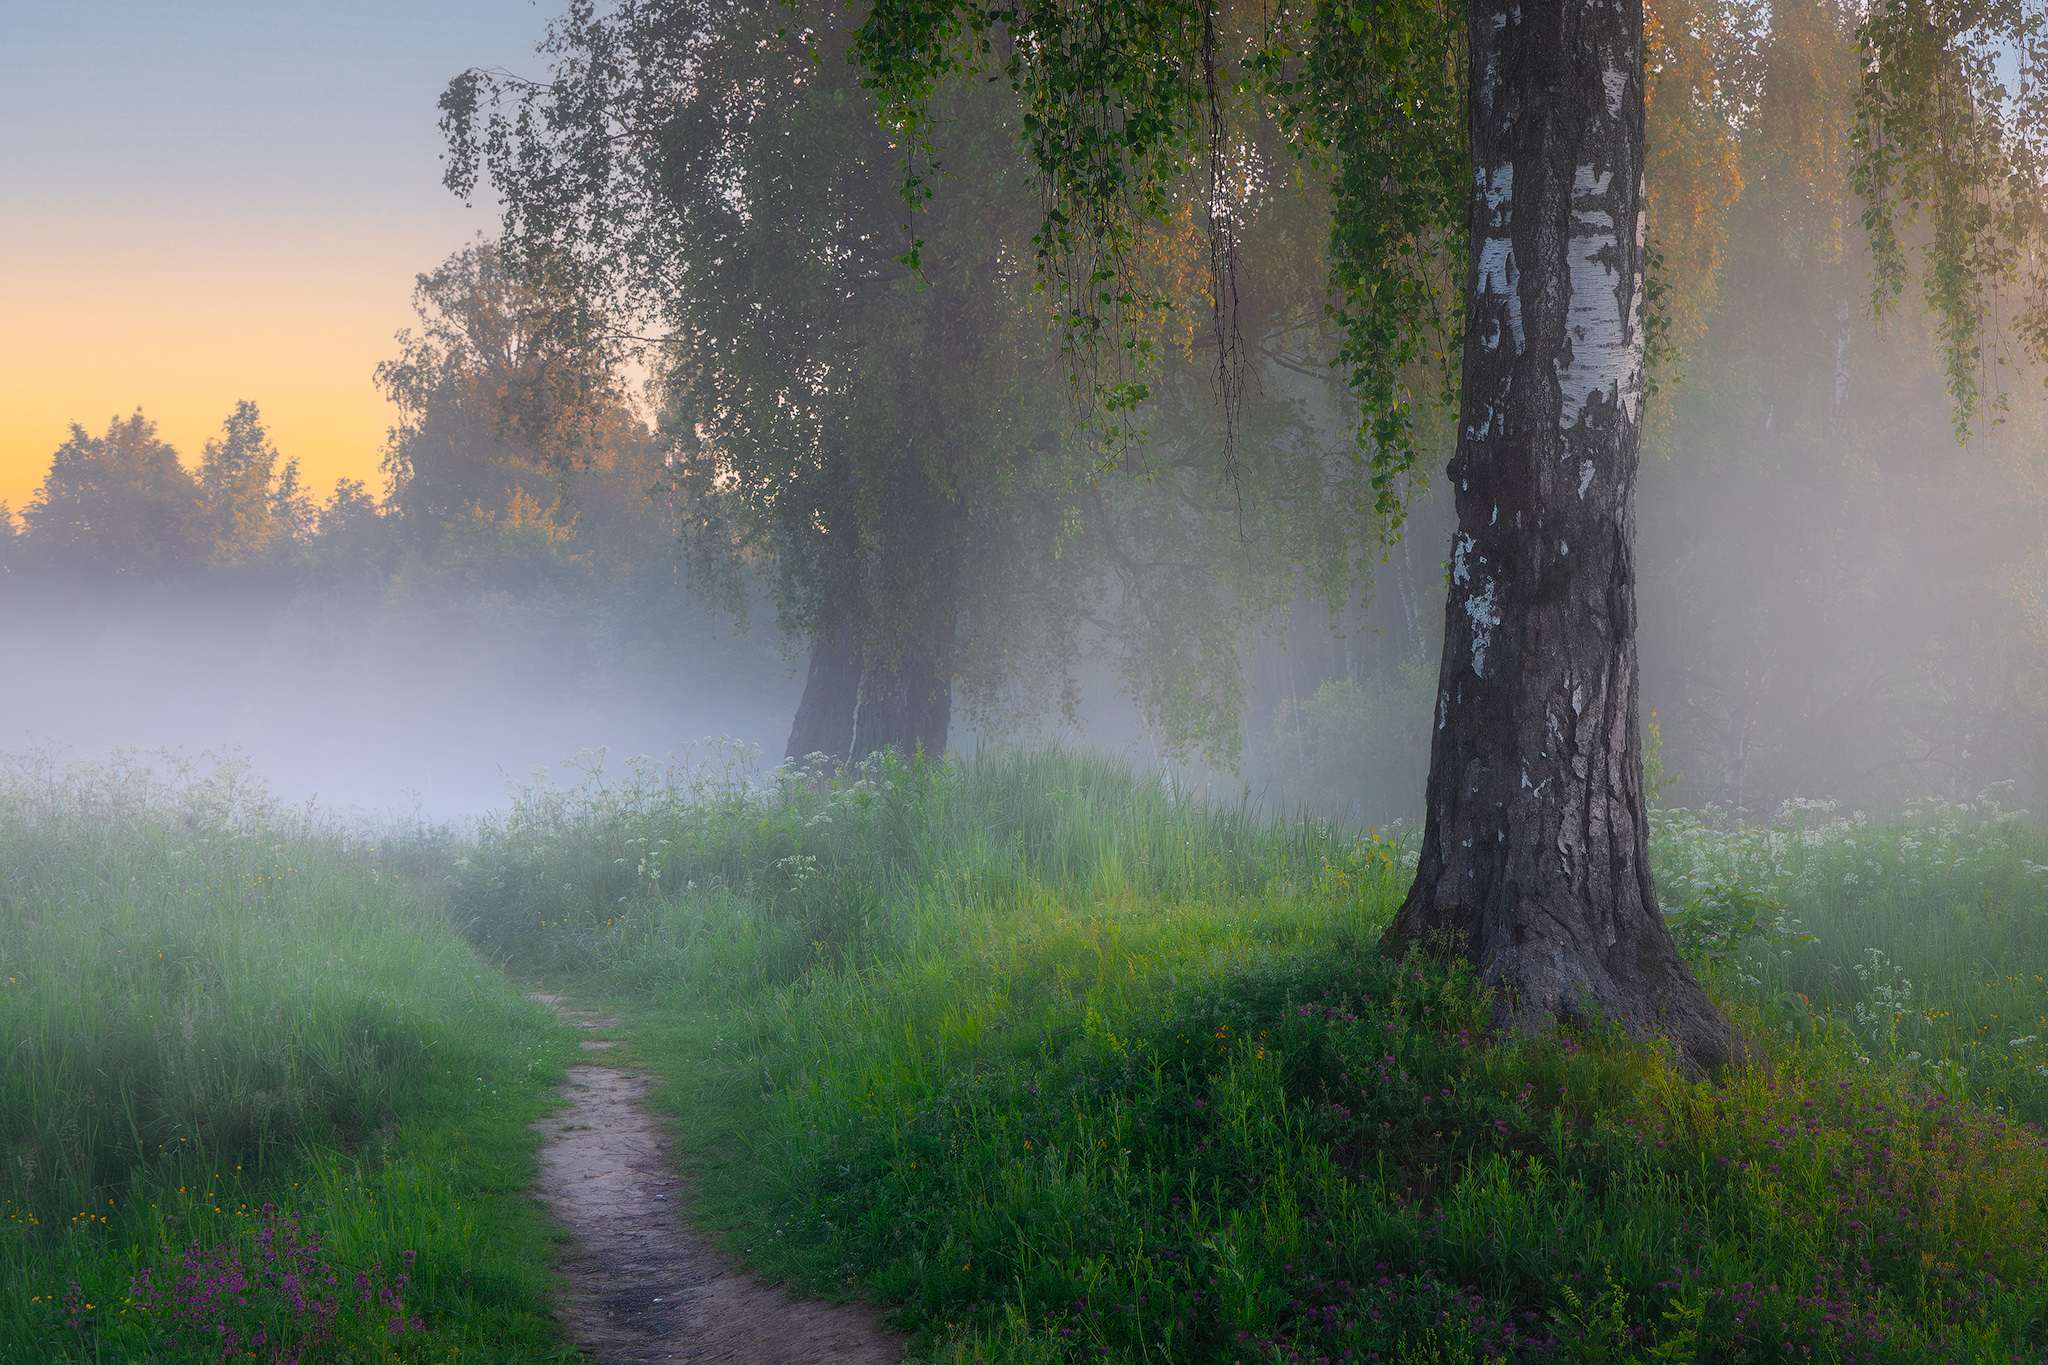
x: 1064, y: 1065
x: 1069, y: 1068
x: 222, y: 1016
x: 1918, y: 943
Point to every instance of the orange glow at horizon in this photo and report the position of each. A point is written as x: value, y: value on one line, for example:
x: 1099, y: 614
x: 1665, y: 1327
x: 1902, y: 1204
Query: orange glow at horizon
x: 185, y: 322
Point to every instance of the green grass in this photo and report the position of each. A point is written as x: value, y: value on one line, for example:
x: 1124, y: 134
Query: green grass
x: 1069, y: 1069
x: 1062, y: 1064
x: 210, y: 1005
x: 1918, y: 943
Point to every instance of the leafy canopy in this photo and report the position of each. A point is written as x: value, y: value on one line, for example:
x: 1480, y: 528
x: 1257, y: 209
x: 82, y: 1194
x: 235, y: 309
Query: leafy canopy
x: 1951, y: 152
x: 1125, y: 102
x: 1128, y: 116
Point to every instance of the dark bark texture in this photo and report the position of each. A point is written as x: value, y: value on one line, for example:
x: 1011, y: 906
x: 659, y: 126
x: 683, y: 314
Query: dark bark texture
x: 907, y: 702
x: 883, y: 677
x: 824, y: 716
x: 1534, y: 859
x: 906, y: 699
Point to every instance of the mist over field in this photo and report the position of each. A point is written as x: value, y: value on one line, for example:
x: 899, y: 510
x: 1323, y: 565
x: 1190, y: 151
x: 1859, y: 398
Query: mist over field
x: 433, y: 719
x: 1836, y: 598
x: 1864, y: 628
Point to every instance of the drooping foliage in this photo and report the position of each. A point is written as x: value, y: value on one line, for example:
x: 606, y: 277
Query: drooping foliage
x: 1951, y: 144
x: 891, y: 445
x: 1701, y: 59
x: 1131, y: 112
x: 865, y: 440
x: 1949, y: 162
x: 1838, y: 601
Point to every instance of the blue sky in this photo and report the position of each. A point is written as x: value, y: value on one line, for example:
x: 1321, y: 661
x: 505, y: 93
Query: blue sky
x: 206, y: 202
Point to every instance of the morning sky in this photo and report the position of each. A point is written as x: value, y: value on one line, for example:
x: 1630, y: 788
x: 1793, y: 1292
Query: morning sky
x: 205, y: 202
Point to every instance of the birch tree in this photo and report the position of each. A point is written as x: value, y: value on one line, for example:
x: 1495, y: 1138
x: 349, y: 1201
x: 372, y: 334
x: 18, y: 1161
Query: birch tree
x: 1500, y: 148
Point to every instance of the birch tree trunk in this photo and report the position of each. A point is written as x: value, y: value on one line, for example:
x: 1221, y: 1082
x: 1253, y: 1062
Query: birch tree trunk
x: 1534, y: 858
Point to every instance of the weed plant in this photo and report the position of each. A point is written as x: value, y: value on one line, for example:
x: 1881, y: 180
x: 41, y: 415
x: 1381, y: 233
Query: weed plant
x: 1920, y: 942
x: 213, y: 1006
x: 720, y: 871
x: 1072, y: 1069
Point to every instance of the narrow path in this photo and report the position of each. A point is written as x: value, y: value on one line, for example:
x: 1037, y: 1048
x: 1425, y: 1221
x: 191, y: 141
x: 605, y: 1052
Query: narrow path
x: 645, y: 1285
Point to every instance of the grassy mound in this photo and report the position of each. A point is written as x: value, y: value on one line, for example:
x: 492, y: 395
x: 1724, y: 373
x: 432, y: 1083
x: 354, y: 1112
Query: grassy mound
x: 1073, y: 1068
x: 231, y: 1029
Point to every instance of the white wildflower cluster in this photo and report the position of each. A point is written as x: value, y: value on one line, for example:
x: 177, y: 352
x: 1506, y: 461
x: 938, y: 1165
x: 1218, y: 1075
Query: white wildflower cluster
x: 135, y: 790
x: 1726, y: 886
x: 1806, y: 849
x: 799, y: 867
x: 561, y: 853
x: 1891, y: 994
x: 564, y: 853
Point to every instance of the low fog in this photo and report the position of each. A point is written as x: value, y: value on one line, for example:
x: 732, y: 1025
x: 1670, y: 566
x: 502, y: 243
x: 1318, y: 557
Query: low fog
x: 1859, y: 620
x: 432, y: 720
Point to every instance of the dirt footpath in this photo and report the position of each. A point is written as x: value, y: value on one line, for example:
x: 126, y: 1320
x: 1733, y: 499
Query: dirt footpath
x: 643, y: 1284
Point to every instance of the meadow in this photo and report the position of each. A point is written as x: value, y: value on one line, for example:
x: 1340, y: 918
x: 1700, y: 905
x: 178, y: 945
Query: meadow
x: 1065, y: 1063
x: 1073, y: 1067
x: 259, y: 1100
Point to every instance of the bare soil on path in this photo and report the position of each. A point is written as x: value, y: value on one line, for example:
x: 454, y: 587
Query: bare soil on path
x: 643, y: 1284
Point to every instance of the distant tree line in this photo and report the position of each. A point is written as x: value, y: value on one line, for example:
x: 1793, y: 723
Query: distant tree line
x: 513, y: 467
x: 122, y: 508
x: 523, y: 512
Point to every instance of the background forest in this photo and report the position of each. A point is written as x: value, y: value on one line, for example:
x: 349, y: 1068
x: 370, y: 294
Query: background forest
x: 1838, y: 599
